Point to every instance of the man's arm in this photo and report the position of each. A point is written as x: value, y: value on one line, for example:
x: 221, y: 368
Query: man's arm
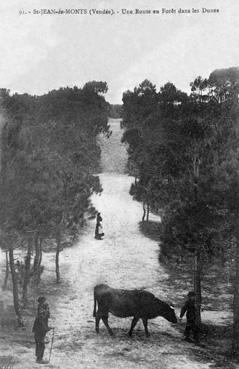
x: 184, y: 309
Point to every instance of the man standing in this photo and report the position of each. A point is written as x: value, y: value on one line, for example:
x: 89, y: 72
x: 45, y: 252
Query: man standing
x: 40, y: 328
x: 191, y: 326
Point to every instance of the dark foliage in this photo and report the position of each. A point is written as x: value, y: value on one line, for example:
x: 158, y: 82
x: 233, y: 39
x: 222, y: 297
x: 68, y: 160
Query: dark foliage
x: 49, y: 157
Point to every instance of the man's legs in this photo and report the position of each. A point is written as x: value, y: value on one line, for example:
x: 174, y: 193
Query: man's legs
x: 187, y: 331
x: 37, y: 348
x: 40, y: 347
x: 196, y: 332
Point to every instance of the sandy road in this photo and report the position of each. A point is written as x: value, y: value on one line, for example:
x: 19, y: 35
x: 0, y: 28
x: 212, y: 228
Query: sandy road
x: 126, y: 259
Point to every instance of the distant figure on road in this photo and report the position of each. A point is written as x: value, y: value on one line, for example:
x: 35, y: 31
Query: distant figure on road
x: 98, y: 229
x: 99, y: 218
x: 190, y: 309
x: 19, y: 267
x: 40, y: 328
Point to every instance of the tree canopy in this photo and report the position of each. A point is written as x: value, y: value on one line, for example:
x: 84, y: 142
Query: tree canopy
x: 183, y: 153
x: 49, y: 159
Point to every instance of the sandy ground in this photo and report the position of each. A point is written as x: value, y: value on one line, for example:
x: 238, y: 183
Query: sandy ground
x: 125, y: 259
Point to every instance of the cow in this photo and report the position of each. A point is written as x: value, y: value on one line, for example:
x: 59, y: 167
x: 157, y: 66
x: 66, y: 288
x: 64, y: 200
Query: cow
x: 139, y: 304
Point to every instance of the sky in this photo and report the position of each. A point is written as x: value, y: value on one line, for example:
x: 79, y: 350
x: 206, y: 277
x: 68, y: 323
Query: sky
x: 44, y: 52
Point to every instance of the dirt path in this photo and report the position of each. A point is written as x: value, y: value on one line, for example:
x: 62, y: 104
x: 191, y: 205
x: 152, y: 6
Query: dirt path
x: 123, y: 259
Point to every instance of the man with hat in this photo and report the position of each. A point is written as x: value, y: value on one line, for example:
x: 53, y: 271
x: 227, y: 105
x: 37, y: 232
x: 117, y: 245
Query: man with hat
x: 191, y: 326
x: 40, y: 328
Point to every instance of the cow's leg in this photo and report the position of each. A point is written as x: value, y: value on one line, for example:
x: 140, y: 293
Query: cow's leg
x: 145, y: 323
x: 105, y: 320
x: 97, y: 323
x: 101, y: 314
x: 133, y: 324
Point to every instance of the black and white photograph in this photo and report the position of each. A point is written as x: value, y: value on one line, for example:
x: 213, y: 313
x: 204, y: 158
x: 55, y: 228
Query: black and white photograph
x: 119, y: 184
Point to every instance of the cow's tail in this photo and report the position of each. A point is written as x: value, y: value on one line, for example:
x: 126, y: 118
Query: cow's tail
x: 94, y: 311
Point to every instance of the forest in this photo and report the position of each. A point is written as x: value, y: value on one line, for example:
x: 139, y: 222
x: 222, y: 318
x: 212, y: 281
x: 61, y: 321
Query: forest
x: 49, y: 158
x: 183, y: 154
x: 183, y: 163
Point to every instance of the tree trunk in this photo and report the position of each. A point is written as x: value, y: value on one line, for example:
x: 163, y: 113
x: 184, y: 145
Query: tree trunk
x: 15, y: 288
x: 147, y: 212
x: 27, y: 272
x: 58, y: 248
x: 39, y: 261
x: 235, y: 334
x: 197, y: 284
x: 40, y: 253
x: 36, y: 257
x: 197, y: 251
x: 4, y: 287
x: 36, y: 260
x: 144, y: 212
